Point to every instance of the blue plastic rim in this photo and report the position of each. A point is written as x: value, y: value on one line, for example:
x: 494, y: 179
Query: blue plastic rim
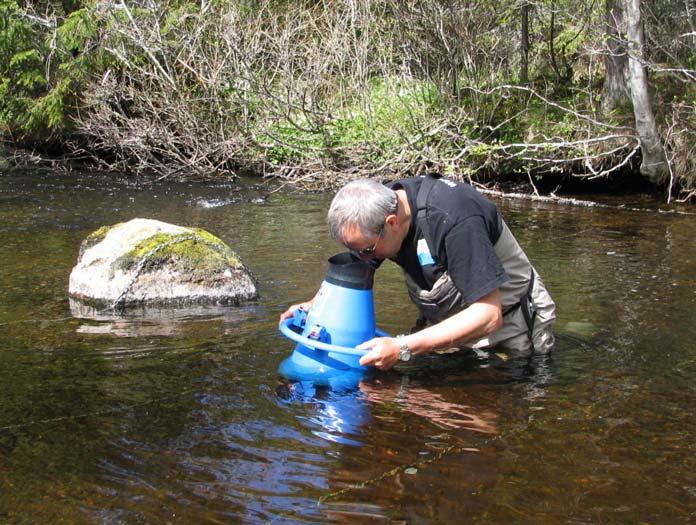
x: 323, y: 363
x: 287, y: 331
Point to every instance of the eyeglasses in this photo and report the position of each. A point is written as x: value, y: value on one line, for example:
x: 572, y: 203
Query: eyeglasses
x: 367, y: 252
x: 371, y: 250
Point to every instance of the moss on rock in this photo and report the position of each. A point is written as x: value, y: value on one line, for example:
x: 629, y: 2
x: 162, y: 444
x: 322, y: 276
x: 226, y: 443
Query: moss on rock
x: 193, y: 251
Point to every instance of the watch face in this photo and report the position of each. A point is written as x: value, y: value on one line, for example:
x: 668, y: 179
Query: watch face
x: 404, y: 355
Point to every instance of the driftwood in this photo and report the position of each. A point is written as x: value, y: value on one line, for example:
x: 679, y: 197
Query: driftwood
x: 570, y: 201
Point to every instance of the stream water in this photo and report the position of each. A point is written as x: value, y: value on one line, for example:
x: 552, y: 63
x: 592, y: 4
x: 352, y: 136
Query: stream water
x: 179, y: 416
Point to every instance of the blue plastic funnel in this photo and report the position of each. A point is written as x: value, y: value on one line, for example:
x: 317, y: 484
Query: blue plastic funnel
x: 342, y: 316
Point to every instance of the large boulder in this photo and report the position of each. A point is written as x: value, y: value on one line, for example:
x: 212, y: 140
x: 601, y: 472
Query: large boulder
x: 149, y: 262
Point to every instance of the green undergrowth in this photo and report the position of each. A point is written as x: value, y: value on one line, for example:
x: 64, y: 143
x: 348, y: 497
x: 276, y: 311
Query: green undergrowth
x: 402, y: 118
x: 394, y: 97
x: 393, y: 114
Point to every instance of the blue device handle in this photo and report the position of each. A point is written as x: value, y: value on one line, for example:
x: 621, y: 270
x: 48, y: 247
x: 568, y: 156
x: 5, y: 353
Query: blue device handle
x: 318, y: 345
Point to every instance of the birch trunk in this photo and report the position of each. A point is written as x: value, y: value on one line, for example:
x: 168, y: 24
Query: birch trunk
x: 654, y: 163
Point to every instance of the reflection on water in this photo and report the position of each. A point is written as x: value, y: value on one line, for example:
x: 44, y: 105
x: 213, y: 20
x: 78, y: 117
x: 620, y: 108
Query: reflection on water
x: 141, y: 321
x: 179, y: 416
x: 432, y: 406
x: 338, y: 416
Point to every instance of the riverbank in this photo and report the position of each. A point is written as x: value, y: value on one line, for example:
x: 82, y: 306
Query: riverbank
x: 317, y: 94
x: 632, y: 193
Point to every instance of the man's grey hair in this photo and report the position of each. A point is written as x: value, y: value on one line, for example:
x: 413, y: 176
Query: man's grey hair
x: 363, y: 204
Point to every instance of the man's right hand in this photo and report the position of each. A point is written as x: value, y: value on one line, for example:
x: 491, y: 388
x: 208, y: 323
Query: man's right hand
x: 291, y: 311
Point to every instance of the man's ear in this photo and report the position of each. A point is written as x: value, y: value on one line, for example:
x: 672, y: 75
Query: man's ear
x: 392, y: 220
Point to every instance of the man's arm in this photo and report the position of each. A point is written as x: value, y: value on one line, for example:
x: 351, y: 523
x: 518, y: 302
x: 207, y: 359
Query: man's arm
x: 481, y: 318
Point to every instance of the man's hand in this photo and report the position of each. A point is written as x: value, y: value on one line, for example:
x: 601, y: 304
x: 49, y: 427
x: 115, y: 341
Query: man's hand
x: 383, y: 352
x: 291, y: 311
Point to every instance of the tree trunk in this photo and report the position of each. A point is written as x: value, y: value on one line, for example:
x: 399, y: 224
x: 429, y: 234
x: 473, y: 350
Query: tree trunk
x: 654, y: 163
x: 552, y: 37
x: 691, y: 14
x: 524, y: 43
x: 615, y: 90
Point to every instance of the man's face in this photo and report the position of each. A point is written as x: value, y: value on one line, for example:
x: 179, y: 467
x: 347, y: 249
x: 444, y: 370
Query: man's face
x: 366, y: 247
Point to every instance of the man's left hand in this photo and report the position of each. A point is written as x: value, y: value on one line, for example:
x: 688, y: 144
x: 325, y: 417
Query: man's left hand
x: 383, y: 352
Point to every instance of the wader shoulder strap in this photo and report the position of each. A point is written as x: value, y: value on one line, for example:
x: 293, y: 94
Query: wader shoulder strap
x: 422, y: 222
x: 421, y: 205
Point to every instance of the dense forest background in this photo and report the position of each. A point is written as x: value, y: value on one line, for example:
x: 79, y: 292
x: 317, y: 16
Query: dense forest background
x: 318, y: 92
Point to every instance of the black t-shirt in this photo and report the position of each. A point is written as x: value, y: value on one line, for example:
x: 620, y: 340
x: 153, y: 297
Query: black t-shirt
x: 463, y: 227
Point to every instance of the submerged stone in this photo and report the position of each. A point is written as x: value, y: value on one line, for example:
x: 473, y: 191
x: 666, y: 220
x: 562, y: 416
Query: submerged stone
x: 144, y: 261
x: 581, y: 328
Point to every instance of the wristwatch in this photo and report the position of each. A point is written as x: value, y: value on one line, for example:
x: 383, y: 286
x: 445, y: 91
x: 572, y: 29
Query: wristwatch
x: 404, y: 352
